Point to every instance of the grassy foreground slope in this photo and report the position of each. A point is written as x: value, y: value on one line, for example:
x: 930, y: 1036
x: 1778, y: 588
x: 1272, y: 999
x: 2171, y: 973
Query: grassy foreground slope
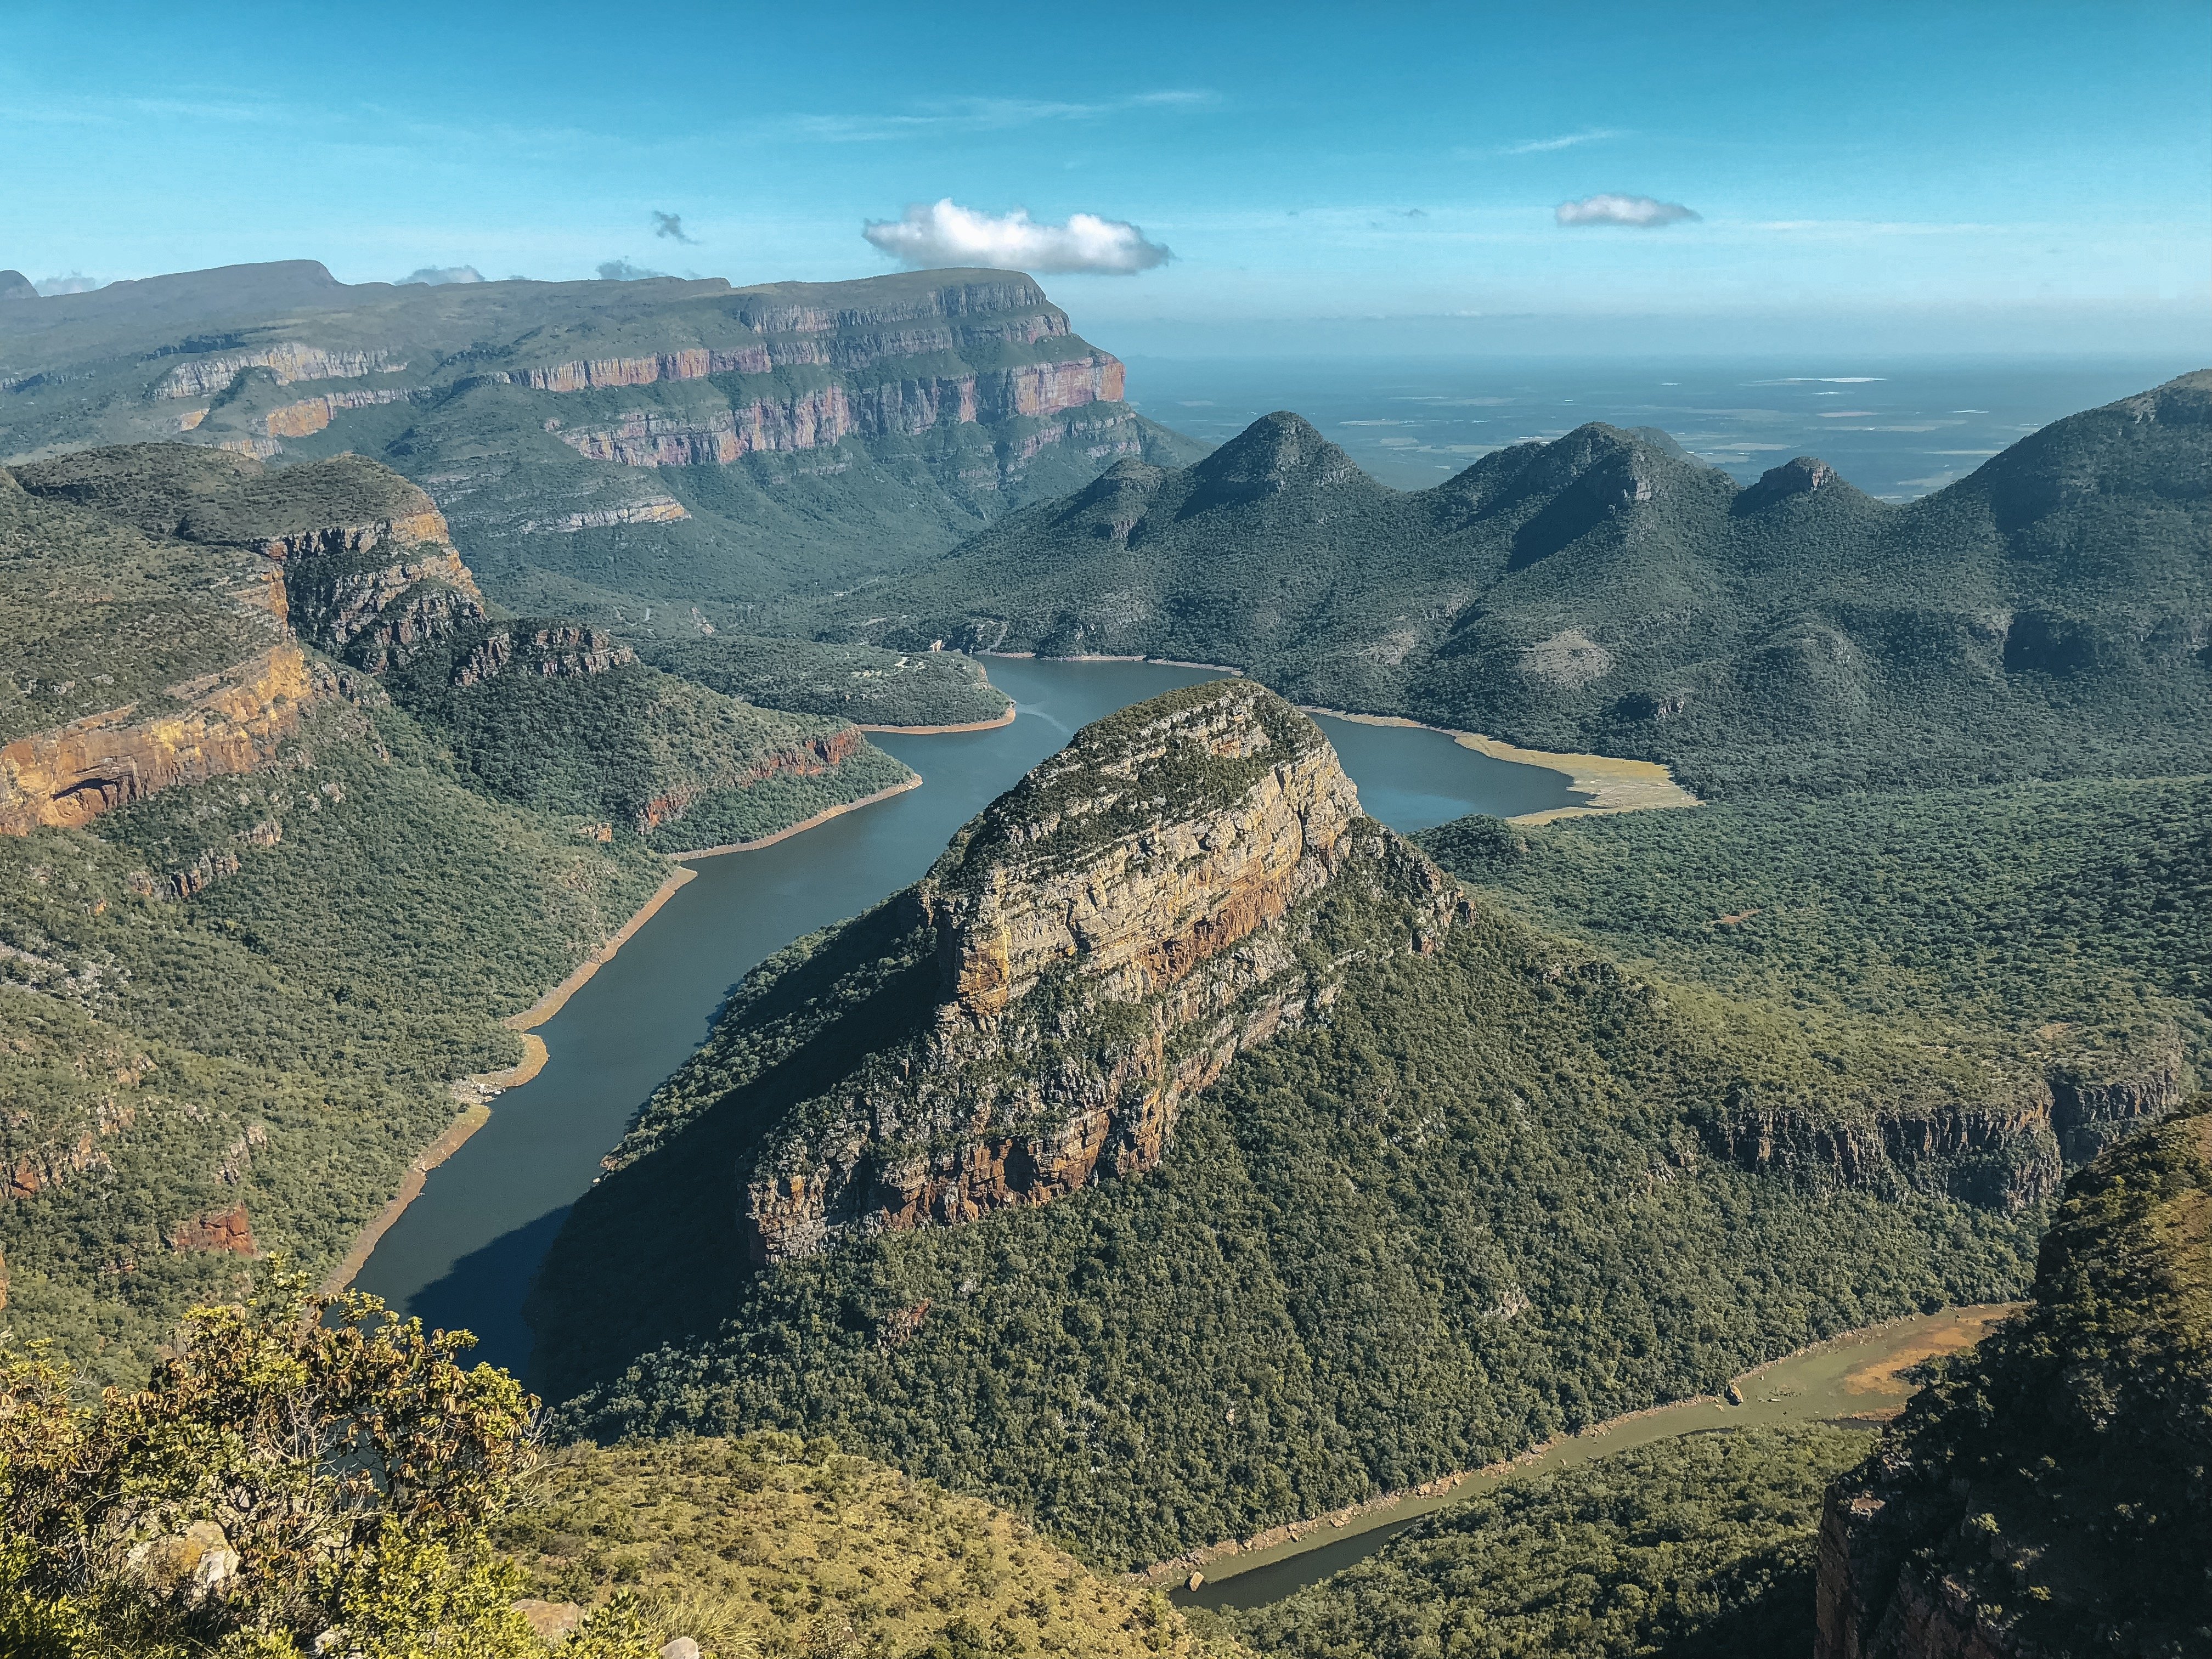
x: 775, y: 1548
x: 2046, y: 616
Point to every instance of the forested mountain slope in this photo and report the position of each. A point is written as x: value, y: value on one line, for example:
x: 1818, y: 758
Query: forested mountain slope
x: 2050, y: 614
x: 2047, y: 1492
x: 622, y: 451
x: 289, y: 821
x: 1184, y: 1157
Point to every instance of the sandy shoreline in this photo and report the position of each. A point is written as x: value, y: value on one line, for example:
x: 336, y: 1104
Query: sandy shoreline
x: 472, y: 1118
x: 1006, y: 719
x: 1094, y: 656
x: 1614, y: 785
x: 823, y: 817
x: 478, y: 1091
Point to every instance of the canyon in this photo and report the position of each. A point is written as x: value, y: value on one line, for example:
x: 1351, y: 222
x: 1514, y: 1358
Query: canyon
x: 864, y: 423
x: 1106, y: 938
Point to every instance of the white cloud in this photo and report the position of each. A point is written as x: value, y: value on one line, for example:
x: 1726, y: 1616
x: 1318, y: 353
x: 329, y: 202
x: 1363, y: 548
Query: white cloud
x: 1565, y: 141
x: 929, y: 237
x: 1607, y: 208
x: 76, y: 283
x: 439, y: 276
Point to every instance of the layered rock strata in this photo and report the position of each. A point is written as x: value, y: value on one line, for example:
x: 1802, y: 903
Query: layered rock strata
x: 229, y: 722
x: 2045, y: 1493
x: 1097, y: 947
x: 811, y: 419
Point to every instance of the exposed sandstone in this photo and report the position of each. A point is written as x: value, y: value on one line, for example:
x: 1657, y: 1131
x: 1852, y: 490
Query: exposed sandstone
x: 809, y: 758
x: 2010, y: 1149
x: 812, y: 419
x: 1106, y: 937
x: 229, y: 722
x: 288, y: 362
x: 230, y: 1231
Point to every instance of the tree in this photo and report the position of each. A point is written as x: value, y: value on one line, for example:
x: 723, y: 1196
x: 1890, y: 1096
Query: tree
x: 309, y: 1474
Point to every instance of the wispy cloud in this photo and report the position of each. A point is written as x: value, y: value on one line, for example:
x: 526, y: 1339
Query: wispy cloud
x: 439, y: 276
x: 932, y: 236
x: 1565, y: 141
x: 76, y: 283
x: 985, y: 115
x: 621, y: 271
x: 1638, y: 212
x: 671, y: 225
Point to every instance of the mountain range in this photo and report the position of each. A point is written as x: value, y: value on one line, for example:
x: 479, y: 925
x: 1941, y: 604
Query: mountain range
x: 2048, y: 615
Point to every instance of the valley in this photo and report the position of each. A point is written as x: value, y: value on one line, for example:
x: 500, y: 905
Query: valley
x: 1010, y: 1106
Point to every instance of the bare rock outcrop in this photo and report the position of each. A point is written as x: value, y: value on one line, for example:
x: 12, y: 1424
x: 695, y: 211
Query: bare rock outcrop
x: 1103, y: 941
x: 228, y: 722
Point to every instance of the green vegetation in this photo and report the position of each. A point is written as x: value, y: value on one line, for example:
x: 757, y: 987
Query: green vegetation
x: 1699, y: 1548
x: 2043, y: 617
x: 282, y: 1038
x: 1479, y: 1206
x: 2058, y: 1472
x: 306, y: 1465
x: 773, y: 1546
x: 2060, y: 923
x: 435, y: 383
x: 563, y: 721
x: 97, y: 613
x: 215, y: 496
x: 856, y: 683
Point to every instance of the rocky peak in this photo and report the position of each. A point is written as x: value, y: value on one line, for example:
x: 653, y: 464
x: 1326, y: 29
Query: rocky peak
x: 1159, y: 837
x: 1276, y: 454
x: 1095, y: 948
x: 14, y: 285
x: 1801, y: 477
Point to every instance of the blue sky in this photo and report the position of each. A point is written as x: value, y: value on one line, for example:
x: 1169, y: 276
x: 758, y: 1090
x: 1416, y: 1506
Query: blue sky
x: 2013, y: 176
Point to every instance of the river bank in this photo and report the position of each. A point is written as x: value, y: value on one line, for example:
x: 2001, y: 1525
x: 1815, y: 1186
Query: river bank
x: 1006, y: 719
x: 1157, y: 662
x: 823, y: 817
x: 1855, y: 1376
x: 1614, y: 785
x: 478, y: 1092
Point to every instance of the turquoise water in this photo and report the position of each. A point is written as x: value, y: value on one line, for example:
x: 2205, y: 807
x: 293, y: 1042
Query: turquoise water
x: 464, y: 1253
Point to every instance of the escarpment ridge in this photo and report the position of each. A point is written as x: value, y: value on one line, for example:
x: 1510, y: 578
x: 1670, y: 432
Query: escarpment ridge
x: 749, y: 437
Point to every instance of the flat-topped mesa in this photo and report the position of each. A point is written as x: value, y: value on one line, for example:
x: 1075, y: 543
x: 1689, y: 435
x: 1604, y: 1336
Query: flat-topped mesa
x: 1105, y: 938
x: 1159, y: 837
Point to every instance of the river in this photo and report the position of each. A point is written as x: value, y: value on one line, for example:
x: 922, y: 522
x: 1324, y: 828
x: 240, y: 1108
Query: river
x: 1857, y: 1379
x: 463, y: 1253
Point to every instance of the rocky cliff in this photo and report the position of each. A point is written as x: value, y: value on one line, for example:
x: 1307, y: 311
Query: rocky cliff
x: 2047, y: 1493
x: 2009, y: 1146
x: 843, y: 426
x: 229, y: 721
x: 1187, y: 878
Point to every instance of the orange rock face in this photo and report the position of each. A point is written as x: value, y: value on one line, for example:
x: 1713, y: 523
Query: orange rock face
x: 228, y: 723
x: 230, y: 1230
x: 1108, y: 936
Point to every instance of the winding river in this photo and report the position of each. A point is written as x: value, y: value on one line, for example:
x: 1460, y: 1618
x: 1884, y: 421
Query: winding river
x: 464, y: 1253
